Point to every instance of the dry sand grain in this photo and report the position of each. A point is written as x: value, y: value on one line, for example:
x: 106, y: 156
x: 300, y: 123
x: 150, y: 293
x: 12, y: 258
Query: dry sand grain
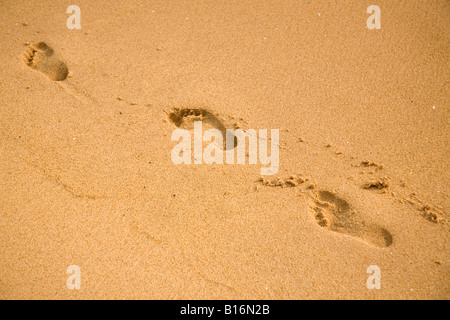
x: 86, y: 178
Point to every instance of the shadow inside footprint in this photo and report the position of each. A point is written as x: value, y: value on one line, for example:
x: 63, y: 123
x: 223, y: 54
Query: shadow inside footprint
x: 336, y: 214
x: 40, y: 56
x: 185, y: 117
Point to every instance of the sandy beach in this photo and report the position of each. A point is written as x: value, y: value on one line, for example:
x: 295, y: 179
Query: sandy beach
x: 88, y: 177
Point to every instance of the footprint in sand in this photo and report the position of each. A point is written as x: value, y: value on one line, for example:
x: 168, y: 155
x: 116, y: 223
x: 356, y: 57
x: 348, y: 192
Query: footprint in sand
x: 334, y: 213
x: 184, y: 118
x: 41, y: 57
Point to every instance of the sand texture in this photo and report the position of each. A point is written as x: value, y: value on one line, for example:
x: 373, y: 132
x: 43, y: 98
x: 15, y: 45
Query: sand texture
x: 87, y: 178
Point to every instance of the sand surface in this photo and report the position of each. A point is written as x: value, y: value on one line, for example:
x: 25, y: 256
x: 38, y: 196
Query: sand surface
x: 86, y: 176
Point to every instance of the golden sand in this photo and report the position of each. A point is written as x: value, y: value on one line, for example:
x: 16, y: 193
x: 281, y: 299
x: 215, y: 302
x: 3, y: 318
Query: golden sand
x: 87, y: 180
